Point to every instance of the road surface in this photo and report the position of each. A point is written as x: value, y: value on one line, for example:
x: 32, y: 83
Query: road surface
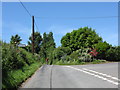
x: 75, y: 76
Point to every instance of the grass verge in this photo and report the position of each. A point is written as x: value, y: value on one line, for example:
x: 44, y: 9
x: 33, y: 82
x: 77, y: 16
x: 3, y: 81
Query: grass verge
x: 16, y: 77
x: 80, y: 63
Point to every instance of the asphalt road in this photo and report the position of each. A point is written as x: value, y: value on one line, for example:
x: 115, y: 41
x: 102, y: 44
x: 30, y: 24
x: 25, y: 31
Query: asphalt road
x: 75, y: 76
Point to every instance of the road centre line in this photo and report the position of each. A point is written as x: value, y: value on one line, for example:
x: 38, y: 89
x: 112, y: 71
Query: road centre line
x: 115, y: 83
x: 102, y: 74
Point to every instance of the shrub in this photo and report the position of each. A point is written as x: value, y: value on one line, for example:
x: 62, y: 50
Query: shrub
x: 15, y: 58
x: 113, y: 54
x: 81, y: 55
x: 59, y: 53
x: 102, y: 48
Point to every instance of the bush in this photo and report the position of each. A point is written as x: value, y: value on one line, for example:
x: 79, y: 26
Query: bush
x: 81, y: 55
x: 60, y: 53
x: 113, y: 54
x: 102, y: 48
x: 15, y: 60
x: 16, y: 77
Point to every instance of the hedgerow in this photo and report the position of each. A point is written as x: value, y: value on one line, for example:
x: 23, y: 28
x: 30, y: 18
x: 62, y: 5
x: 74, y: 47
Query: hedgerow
x: 15, y: 62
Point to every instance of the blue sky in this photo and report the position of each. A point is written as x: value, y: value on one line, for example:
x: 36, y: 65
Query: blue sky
x: 60, y: 18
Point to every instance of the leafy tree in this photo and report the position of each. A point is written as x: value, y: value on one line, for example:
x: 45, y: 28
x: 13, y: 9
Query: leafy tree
x: 102, y: 48
x: 60, y: 52
x: 43, y: 46
x: 37, y: 42
x: 83, y: 37
x: 15, y: 40
x: 47, y: 45
x: 113, y: 54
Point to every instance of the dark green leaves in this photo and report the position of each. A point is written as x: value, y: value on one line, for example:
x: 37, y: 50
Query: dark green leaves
x: 15, y: 40
x: 37, y: 42
x: 83, y: 37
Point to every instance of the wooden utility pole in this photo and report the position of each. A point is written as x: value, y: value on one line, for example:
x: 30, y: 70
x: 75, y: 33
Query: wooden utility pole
x: 33, y: 35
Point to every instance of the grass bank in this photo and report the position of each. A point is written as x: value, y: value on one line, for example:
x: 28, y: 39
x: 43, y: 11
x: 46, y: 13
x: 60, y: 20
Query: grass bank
x: 80, y: 63
x: 16, y: 77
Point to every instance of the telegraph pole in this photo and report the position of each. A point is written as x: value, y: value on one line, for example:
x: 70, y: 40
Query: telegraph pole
x: 33, y: 35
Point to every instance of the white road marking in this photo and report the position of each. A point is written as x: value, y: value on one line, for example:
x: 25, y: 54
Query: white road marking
x: 115, y: 83
x: 102, y: 74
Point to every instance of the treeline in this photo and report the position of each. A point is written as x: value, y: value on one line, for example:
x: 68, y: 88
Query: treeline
x: 77, y: 46
x: 82, y: 45
x: 88, y: 38
x: 43, y: 46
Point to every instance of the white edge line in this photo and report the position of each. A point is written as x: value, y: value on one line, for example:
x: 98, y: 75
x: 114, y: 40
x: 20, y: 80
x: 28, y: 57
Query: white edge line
x: 102, y: 74
x: 115, y: 83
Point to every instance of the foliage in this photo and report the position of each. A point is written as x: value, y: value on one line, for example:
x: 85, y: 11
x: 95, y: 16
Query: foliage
x: 102, y: 48
x: 60, y: 53
x: 98, y: 61
x: 16, y: 77
x: 15, y: 40
x: 47, y: 46
x: 65, y: 54
x: 94, y: 53
x: 37, y: 42
x: 82, y: 55
x: 83, y: 37
x: 113, y: 54
x: 14, y: 59
x: 79, y: 63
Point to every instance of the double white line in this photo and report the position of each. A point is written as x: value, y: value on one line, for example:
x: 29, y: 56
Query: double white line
x: 98, y: 75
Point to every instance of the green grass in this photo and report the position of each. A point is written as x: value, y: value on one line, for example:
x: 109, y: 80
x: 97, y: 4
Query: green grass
x: 80, y: 63
x: 16, y: 77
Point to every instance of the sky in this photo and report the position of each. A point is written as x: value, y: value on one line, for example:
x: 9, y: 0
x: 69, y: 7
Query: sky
x: 60, y: 18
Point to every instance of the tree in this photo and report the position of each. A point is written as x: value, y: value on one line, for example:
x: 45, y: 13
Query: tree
x: 61, y: 52
x: 37, y: 42
x: 113, y: 54
x: 15, y: 40
x: 47, y: 45
x: 102, y: 48
x: 83, y: 37
x: 43, y: 46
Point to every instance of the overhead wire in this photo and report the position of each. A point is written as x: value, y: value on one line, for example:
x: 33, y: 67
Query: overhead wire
x: 25, y: 8
x: 76, y: 17
x: 36, y: 25
x: 61, y: 17
x: 29, y: 14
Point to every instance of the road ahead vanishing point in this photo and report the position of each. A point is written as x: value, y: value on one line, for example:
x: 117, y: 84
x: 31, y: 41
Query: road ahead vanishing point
x: 75, y: 76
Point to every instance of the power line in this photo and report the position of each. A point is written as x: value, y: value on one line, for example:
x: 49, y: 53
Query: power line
x: 77, y: 17
x: 36, y: 25
x: 62, y: 17
x: 29, y: 14
x: 25, y: 8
